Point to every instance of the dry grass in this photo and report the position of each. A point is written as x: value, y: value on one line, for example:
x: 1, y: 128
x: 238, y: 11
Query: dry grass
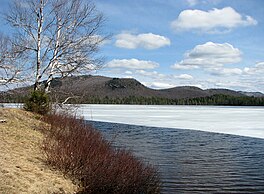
x: 22, y: 163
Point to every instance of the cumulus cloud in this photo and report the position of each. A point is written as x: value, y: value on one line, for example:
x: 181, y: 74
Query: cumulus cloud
x: 209, y: 55
x: 257, y: 69
x: 212, y: 21
x: 235, y: 84
x: 226, y: 71
x: 147, y: 41
x: 183, y: 76
x: 128, y: 76
x: 160, y: 85
x: 132, y: 64
x: 153, y: 74
x: 129, y: 72
x: 182, y: 66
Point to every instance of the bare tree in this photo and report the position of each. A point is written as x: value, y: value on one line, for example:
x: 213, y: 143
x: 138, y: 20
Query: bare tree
x: 10, y: 71
x: 57, y: 37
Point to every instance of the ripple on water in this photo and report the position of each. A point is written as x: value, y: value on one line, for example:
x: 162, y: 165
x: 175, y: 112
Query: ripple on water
x: 194, y: 161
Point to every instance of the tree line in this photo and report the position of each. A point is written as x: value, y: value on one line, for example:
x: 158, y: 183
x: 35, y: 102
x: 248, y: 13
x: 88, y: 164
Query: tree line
x: 218, y: 99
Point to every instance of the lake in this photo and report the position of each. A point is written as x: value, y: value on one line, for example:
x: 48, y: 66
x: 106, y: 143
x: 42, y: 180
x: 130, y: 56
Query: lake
x: 222, y: 153
x: 204, y: 160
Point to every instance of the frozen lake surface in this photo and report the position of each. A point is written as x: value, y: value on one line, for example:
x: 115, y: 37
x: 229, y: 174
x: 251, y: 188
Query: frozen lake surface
x: 244, y: 121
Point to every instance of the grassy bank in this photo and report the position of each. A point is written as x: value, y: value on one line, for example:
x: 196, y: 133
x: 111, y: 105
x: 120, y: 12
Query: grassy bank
x: 30, y: 148
x: 23, y: 166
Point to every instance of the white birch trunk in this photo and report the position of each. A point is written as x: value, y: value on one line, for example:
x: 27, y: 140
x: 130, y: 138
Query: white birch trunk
x: 54, y: 61
x: 38, y: 66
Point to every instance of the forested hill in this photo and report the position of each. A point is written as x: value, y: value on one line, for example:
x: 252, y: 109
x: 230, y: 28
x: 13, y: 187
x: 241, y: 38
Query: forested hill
x: 99, y: 89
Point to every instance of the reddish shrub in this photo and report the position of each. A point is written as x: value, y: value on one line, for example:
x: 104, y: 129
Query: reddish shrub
x: 81, y: 152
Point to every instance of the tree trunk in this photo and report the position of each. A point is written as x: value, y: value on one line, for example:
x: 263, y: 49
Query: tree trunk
x: 55, y: 56
x: 40, y: 22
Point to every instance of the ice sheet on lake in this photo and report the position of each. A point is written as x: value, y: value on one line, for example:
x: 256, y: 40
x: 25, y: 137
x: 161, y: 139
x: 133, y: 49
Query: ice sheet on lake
x: 245, y: 121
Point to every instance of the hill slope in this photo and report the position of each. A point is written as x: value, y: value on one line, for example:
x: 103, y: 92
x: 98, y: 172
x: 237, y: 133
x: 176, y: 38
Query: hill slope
x: 85, y: 87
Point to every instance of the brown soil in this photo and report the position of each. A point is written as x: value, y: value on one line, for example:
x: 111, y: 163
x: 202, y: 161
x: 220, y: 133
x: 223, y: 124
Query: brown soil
x: 22, y: 162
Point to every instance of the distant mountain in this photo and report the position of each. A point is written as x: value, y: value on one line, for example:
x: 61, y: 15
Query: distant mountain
x: 224, y: 92
x: 87, y: 86
x: 254, y: 94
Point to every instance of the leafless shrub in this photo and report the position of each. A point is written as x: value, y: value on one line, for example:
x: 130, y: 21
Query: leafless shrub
x: 81, y: 152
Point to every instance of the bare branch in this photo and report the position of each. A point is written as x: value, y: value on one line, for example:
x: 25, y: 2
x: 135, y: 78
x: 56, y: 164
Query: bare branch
x: 57, y: 38
x: 9, y: 70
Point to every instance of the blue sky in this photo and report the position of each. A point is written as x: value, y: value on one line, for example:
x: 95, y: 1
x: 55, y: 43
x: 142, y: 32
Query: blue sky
x: 204, y: 43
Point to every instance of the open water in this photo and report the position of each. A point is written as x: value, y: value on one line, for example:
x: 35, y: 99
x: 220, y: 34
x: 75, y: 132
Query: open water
x: 194, y: 161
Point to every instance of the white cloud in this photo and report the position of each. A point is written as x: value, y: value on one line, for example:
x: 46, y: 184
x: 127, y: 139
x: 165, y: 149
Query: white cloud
x: 130, y: 77
x: 233, y: 84
x: 260, y: 64
x: 209, y: 55
x: 226, y: 71
x: 153, y: 74
x: 212, y: 21
x: 181, y: 66
x: 257, y: 69
x: 165, y: 85
x: 183, y: 76
x: 160, y: 85
x: 132, y: 64
x: 129, y: 72
x: 147, y: 41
